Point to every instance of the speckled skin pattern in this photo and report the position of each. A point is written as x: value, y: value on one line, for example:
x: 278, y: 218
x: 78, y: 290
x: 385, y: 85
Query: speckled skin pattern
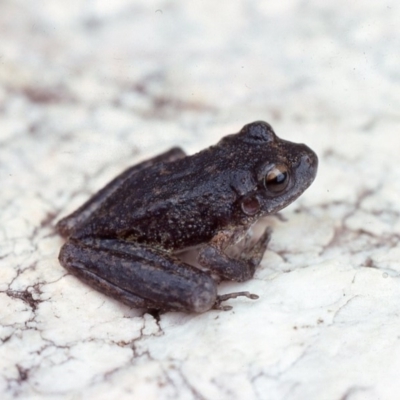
x: 124, y: 239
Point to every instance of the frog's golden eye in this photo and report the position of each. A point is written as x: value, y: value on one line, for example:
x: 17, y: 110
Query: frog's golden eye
x: 277, y: 179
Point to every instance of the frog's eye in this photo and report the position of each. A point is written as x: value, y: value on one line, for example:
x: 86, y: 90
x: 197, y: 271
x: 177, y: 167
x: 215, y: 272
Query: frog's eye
x: 277, y: 178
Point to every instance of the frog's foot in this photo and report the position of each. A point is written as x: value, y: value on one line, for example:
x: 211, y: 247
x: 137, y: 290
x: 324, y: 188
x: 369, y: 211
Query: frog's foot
x: 254, y: 252
x: 224, y: 297
x: 239, y: 269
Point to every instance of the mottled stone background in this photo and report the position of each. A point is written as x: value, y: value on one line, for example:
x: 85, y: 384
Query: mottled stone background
x: 90, y: 87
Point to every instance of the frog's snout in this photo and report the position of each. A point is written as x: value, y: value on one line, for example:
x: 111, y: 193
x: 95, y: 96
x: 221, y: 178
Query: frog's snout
x: 311, y: 160
x: 308, y: 163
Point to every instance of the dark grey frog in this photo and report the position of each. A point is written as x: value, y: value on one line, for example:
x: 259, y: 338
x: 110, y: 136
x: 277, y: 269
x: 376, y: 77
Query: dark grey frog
x: 124, y: 241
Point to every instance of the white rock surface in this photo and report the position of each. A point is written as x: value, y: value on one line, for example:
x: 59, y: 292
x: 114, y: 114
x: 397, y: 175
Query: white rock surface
x: 88, y: 88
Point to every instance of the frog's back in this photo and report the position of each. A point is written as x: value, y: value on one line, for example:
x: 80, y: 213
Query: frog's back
x: 175, y: 205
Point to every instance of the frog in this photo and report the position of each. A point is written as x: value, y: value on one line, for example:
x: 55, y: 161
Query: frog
x: 126, y: 241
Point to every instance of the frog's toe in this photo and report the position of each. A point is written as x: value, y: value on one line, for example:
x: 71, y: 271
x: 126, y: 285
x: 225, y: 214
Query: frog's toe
x: 224, y: 297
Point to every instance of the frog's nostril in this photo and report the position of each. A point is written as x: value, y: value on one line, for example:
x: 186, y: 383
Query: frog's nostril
x: 309, y: 159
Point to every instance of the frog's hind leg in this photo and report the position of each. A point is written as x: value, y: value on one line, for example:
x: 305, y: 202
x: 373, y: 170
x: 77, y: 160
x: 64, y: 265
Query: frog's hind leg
x: 68, y: 224
x: 139, y: 276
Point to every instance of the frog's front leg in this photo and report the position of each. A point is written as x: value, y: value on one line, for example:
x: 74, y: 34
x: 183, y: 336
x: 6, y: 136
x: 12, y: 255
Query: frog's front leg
x: 238, y: 269
x: 67, y: 225
x: 139, y: 276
